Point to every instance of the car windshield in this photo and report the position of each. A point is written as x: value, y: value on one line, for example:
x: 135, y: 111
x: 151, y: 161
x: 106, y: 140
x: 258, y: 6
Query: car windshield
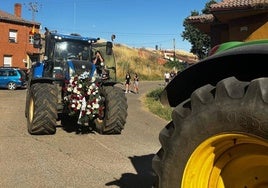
x: 70, y: 50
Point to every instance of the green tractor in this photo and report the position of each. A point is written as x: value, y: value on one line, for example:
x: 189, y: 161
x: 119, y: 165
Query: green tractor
x: 218, y: 136
x: 66, y: 85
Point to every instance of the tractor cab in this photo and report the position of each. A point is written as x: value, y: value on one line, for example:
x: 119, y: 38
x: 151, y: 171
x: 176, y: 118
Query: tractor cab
x: 66, y: 55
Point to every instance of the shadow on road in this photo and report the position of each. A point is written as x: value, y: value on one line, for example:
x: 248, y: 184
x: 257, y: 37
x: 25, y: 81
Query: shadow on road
x: 69, y: 124
x: 143, y: 179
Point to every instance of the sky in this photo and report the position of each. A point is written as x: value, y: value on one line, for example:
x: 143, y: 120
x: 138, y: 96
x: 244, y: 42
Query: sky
x: 135, y: 23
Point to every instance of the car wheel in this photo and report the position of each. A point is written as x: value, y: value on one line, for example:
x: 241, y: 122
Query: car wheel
x: 11, y: 86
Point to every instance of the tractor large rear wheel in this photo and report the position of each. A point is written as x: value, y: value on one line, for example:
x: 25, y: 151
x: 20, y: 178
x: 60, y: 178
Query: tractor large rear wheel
x: 217, y: 138
x: 42, y: 109
x: 115, y: 112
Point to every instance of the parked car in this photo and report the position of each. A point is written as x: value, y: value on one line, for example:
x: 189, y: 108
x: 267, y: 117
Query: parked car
x: 12, y: 78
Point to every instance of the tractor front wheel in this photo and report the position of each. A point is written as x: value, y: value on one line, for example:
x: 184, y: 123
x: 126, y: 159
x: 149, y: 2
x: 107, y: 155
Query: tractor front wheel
x: 115, y: 112
x: 42, y: 109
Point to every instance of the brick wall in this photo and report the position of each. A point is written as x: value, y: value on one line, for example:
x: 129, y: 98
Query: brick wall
x: 18, y: 51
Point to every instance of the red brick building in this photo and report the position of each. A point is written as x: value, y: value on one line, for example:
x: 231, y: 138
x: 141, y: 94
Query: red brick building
x: 16, y: 39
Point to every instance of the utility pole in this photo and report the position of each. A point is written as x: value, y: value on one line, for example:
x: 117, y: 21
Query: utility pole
x: 113, y: 38
x: 74, y: 16
x: 34, y: 7
x: 174, y: 57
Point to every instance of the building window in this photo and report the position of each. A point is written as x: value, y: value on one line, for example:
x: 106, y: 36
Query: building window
x: 7, y: 61
x: 13, y: 34
x: 31, y: 39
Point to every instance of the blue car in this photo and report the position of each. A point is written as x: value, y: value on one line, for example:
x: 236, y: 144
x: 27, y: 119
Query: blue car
x: 12, y: 78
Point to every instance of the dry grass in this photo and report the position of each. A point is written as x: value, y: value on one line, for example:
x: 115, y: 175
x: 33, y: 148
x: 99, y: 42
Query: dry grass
x: 152, y: 102
x: 146, y: 64
x: 141, y: 61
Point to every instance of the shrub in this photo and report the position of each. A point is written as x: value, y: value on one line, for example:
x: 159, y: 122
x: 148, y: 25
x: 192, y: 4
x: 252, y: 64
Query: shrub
x: 155, y: 94
x: 154, y: 105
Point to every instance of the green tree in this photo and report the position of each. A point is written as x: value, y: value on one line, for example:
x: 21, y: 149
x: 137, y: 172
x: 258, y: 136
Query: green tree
x: 200, y: 41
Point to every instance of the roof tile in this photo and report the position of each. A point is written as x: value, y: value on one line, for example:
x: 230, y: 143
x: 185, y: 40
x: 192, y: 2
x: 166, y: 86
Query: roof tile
x: 234, y: 4
x: 228, y: 5
x: 202, y: 18
x: 10, y: 17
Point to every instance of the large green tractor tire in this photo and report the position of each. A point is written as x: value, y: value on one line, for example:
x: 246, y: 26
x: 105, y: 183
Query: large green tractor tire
x: 218, y: 138
x: 115, y: 112
x: 41, y: 109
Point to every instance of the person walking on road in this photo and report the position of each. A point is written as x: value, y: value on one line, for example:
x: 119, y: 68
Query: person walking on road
x: 127, y: 84
x: 136, y: 83
x: 167, y: 77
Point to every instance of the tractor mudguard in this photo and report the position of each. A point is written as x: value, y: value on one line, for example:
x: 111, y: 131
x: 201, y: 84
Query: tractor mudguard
x: 38, y: 70
x: 245, y: 63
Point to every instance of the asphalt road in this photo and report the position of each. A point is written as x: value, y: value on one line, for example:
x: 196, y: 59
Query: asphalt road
x: 68, y: 159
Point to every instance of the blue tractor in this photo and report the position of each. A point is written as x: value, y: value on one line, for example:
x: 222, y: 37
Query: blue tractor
x: 67, y: 85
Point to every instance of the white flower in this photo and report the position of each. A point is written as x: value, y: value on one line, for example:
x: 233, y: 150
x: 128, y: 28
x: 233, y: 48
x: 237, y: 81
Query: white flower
x: 81, y: 84
x: 84, y: 75
x: 96, y: 106
x: 78, y: 106
x: 75, y: 90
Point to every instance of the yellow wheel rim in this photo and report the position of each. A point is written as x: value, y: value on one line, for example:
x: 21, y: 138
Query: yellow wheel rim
x: 228, y: 160
x: 31, y: 110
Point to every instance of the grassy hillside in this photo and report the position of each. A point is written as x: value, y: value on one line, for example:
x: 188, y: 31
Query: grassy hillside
x: 146, y: 63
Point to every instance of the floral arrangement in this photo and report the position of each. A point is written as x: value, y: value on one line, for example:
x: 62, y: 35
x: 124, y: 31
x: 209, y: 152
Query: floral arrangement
x: 83, y: 99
